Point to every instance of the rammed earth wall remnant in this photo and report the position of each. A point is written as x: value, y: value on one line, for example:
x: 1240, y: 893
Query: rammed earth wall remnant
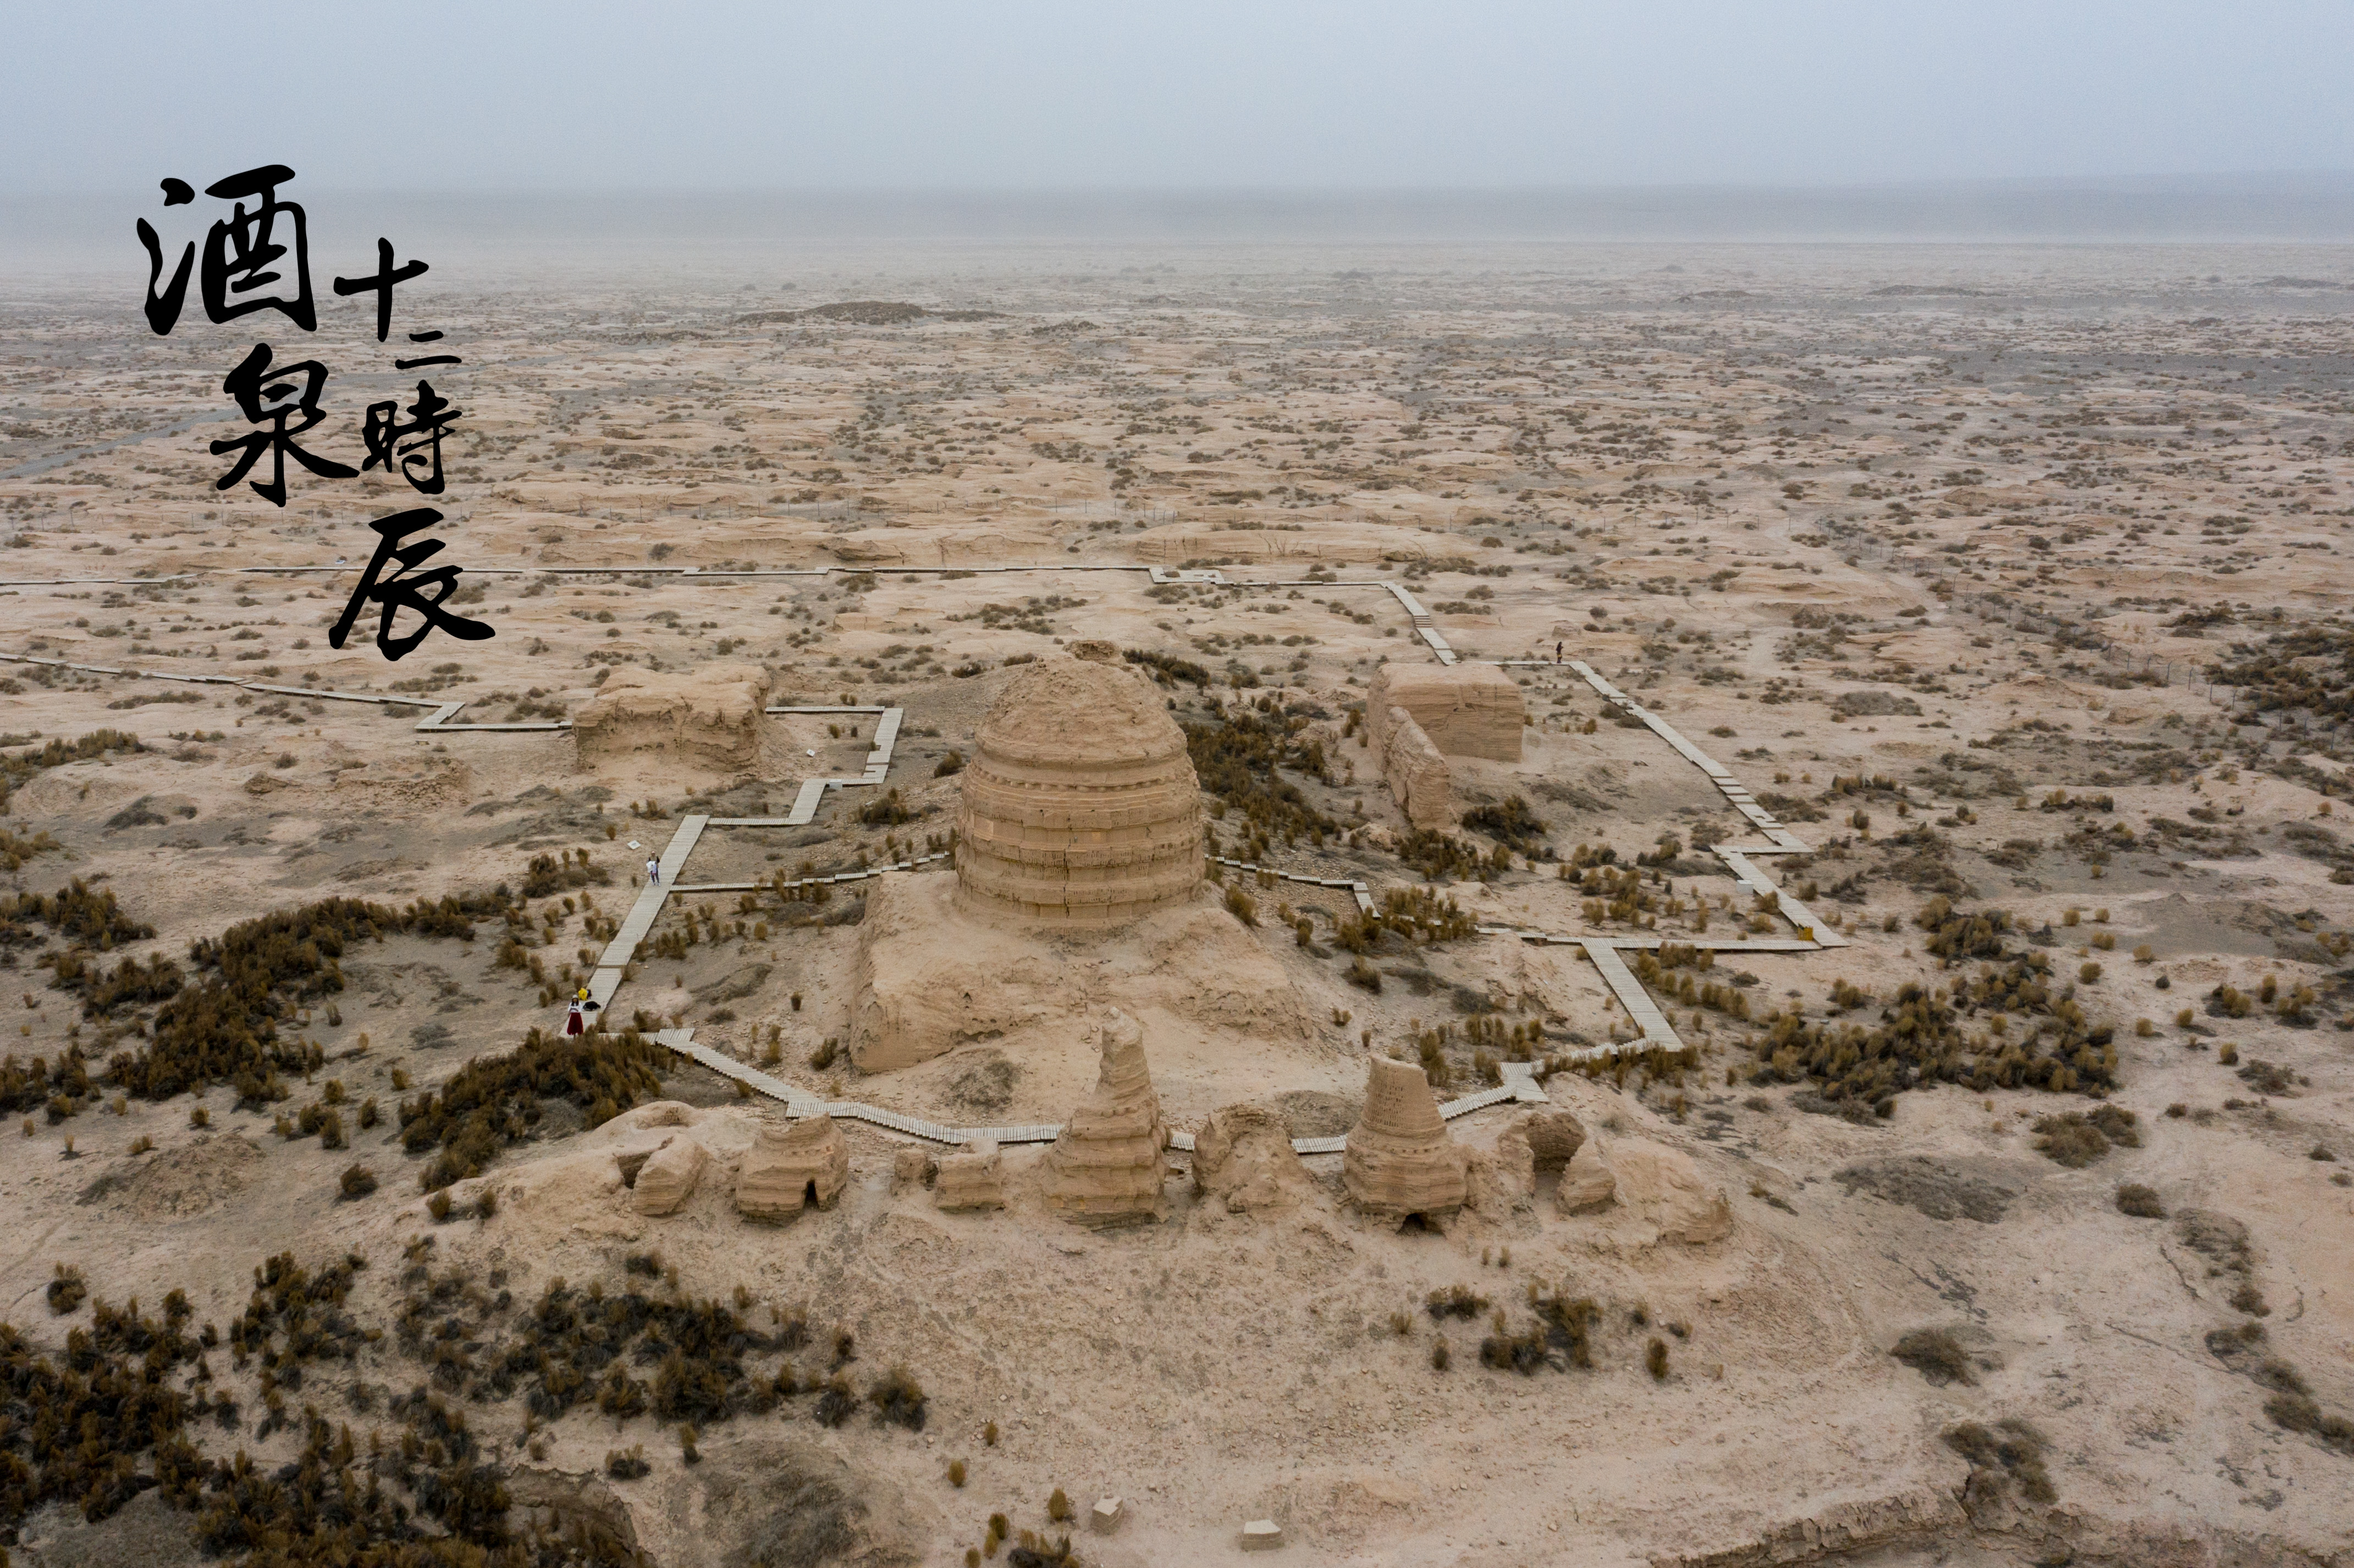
x: 709, y: 718
x: 1416, y: 774
x: 1467, y: 710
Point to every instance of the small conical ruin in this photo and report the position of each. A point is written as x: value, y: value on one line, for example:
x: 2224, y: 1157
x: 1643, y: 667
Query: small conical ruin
x: 1104, y: 1168
x: 1399, y: 1165
x: 789, y: 1165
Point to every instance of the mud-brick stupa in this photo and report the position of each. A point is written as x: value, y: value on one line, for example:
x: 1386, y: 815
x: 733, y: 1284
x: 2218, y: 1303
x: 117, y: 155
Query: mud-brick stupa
x: 1080, y: 805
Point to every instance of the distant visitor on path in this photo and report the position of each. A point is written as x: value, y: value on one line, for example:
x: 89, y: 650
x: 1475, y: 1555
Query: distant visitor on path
x: 1556, y: 652
x: 653, y: 870
x: 574, y: 1023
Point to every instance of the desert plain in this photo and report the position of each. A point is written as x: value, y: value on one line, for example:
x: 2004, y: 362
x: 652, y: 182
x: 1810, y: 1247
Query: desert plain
x: 1955, y: 1170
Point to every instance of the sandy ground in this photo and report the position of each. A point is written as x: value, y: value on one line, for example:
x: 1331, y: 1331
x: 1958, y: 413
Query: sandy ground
x: 1984, y: 522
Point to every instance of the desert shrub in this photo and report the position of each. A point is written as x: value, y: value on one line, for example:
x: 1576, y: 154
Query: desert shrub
x: 837, y: 1405
x: 1166, y: 669
x: 2267, y: 1077
x: 1561, y: 1337
x: 955, y: 1473
x: 1935, y: 1354
x: 1058, y: 1506
x: 1655, y: 1360
x: 577, y: 1345
x: 357, y: 1181
x: 948, y: 767
x: 2076, y: 1139
x: 1924, y: 1036
x: 887, y: 812
x: 294, y: 1315
x: 66, y: 1289
x: 1437, y: 854
x: 494, y: 1101
x: 897, y: 1399
x: 1239, y: 757
x: 546, y: 875
x: 2069, y: 1140
x: 2140, y: 1201
x: 1034, y: 1552
x: 19, y: 767
x: 2012, y: 1453
x: 1455, y: 1301
x: 1421, y: 914
x: 1513, y: 825
x: 222, y: 1028
x: 38, y: 1084
x: 627, y: 1465
x: 1241, y: 906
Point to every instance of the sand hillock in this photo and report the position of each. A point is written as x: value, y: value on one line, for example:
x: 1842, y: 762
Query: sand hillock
x: 934, y: 972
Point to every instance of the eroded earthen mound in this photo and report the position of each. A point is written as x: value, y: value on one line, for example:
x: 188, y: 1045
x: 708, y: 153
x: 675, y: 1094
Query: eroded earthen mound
x: 708, y: 719
x: 1080, y: 805
x: 1243, y: 1158
x: 789, y: 1166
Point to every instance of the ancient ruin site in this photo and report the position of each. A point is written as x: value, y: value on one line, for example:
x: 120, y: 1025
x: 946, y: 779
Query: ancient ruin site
x: 1401, y: 905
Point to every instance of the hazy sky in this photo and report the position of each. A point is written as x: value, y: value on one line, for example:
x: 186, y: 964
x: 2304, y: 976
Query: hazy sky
x: 501, y: 94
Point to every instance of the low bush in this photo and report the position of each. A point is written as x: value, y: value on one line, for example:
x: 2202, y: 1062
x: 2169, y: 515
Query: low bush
x: 1935, y: 1354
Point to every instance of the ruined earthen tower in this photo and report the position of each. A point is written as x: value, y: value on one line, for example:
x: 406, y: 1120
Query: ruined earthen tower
x: 1080, y: 806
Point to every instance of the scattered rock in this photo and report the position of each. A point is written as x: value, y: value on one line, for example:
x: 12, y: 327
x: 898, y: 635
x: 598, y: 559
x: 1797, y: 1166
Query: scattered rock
x: 1938, y: 1190
x: 1875, y: 704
